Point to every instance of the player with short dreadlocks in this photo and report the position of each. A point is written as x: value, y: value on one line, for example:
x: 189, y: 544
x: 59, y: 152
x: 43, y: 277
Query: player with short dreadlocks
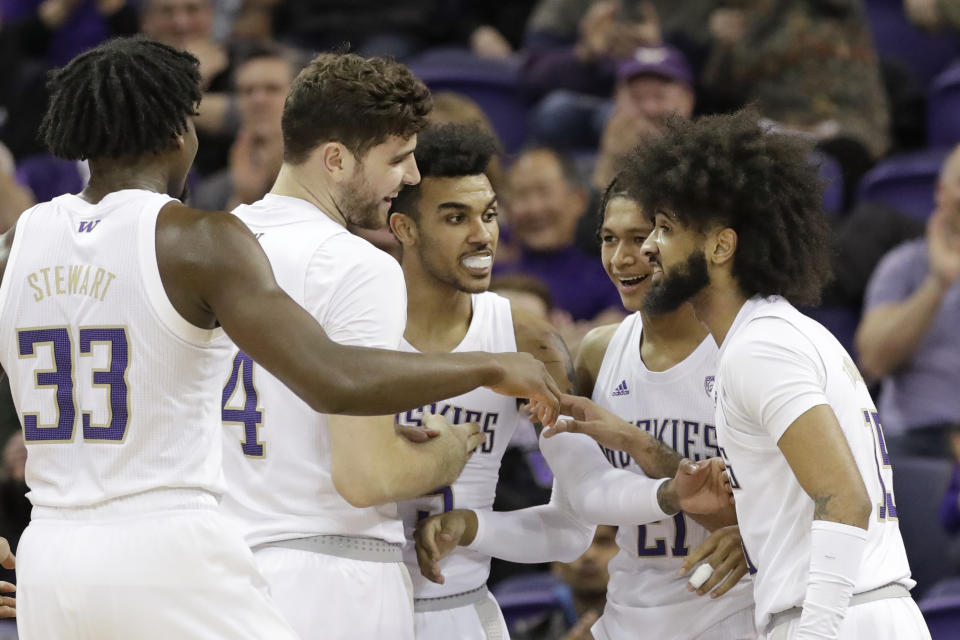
x: 116, y: 300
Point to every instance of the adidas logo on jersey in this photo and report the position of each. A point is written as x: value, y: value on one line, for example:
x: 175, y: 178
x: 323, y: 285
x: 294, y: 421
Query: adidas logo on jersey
x: 621, y: 389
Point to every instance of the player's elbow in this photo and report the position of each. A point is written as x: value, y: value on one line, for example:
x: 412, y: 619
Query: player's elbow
x: 577, y: 539
x: 335, y: 395
x: 360, y: 489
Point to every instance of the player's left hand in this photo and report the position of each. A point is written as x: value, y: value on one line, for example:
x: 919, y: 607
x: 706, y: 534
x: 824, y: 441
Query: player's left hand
x: 438, y: 535
x: 724, y: 552
x: 593, y: 420
x: 416, y: 434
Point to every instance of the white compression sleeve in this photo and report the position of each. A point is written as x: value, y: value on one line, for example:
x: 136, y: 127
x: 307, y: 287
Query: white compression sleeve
x: 599, y: 493
x: 543, y: 533
x: 836, y: 551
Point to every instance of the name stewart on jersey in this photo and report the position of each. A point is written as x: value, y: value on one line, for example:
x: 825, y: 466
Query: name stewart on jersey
x: 71, y: 279
x: 455, y: 415
x: 689, y: 438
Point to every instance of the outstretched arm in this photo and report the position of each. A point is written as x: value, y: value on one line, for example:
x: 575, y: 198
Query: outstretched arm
x: 214, y: 271
x: 544, y: 533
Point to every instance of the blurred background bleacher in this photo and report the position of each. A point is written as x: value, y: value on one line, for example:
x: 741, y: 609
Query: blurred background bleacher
x: 875, y: 84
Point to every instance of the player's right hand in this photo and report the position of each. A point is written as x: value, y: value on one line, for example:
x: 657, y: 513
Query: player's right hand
x: 702, y: 487
x: 523, y: 376
x: 438, y: 535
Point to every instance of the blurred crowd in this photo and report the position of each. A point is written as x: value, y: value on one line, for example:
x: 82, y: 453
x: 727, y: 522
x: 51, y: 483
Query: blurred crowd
x: 569, y: 86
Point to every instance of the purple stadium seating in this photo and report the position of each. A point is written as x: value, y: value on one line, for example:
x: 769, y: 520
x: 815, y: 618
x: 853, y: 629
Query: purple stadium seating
x: 832, y: 175
x: 529, y: 595
x: 942, y: 613
x: 491, y: 83
x: 905, y: 182
x: 841, y: 321
x: 943, y: 120
x: 895, y: 37
x: 919, y: 485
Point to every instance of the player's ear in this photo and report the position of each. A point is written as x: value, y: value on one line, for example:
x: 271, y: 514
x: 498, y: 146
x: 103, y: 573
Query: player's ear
x: 403, y: 227
x: 723, y: 246
x: 334, y: 159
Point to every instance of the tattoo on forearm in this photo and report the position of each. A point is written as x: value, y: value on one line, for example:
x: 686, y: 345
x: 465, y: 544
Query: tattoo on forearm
x: 820, y: 507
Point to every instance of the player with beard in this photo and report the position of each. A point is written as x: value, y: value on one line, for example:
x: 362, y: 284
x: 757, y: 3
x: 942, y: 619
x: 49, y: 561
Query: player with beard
x: 650, y: 378
x: 739, y: 232
x: 315, y: 495
x: 448, y: 228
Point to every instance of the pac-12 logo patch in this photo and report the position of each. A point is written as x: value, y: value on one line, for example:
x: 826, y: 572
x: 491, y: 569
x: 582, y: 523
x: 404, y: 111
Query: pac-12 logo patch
x: 708, y: 386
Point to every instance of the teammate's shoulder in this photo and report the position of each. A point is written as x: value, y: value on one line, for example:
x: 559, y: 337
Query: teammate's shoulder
x: 595, y: 342
x: 529, y: 326
x: 349, y: 253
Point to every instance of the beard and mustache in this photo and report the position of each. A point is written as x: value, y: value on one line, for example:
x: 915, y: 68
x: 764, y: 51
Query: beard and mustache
x: 671, y: 291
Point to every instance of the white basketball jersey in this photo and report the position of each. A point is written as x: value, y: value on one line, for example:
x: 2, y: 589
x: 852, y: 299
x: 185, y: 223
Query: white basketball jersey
x: 117, y: 393
x: 676, y: 406
x: 276, y: 448
x: 774, y: 512
x: 491, y: 330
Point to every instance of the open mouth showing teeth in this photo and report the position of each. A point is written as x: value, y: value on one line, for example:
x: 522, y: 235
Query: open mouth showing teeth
x: 478, y: 262
x: 629, y: 282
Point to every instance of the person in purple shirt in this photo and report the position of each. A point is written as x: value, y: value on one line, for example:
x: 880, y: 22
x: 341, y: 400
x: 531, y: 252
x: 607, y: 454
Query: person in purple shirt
x: 908, y: 335
x: 545, y: 202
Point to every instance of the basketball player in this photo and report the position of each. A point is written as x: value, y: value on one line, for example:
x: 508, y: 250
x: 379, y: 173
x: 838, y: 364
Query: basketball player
x: 448, y: 229
x: 315, y: 495
x: 739, y: 232
x: 115, y: 299
x: 654, y: 371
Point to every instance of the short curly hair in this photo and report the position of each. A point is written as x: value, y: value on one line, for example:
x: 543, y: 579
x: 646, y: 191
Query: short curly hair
x: 447, y: 150
x: 356, y: 101
x: 729, y: 170
x: 128, y: 97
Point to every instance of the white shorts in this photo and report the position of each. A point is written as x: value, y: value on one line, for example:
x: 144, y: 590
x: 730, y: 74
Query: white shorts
x: 184, y: 574
x: 736, y: 626
x: 328, y: 597
x: 480, y: 621
x: 888, y: 619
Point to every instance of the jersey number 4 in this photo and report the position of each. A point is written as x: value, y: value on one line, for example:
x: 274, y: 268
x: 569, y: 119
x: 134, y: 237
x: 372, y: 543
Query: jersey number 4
x: 61, y: 378
x: 250, y: 415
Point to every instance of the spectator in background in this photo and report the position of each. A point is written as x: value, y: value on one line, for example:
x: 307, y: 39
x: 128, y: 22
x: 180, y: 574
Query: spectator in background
x: 807, y: 65
x: 934, y: 15
x: 525, y: 292
x: 58, y: 30
x: 652, y: 85
x: 908, y: 335
x: 14, y: 198
x: 582, y: 594
x: 262, y: 82
x: 188, y: 24
x: 545, y: 200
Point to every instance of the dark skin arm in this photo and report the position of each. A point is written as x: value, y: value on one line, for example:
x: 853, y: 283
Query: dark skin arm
x: 538, y: 338
x: 215, y: 273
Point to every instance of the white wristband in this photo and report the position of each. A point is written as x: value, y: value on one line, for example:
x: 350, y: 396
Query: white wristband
x: 836, y: 551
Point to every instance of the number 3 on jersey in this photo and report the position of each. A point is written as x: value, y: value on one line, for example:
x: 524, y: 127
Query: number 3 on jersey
x: 250, y: 415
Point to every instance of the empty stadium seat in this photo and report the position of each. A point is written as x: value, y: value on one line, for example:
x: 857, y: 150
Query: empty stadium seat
x: 919, y: 485
x: 905, y: 182
x: 895, y: 36
x: 943, y: 120
x: 491, y: 83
